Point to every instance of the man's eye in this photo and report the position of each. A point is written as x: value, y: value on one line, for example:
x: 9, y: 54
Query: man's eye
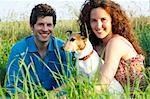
x: 40, y: 24
x: 72, y: 39
x: 49, y: 25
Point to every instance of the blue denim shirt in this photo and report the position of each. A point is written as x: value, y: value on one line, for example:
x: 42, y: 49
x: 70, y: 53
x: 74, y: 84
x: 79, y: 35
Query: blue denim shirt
x: 24, y: 59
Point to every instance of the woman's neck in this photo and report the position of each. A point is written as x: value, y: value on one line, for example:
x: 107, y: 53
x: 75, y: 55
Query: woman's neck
x: 107, y: 38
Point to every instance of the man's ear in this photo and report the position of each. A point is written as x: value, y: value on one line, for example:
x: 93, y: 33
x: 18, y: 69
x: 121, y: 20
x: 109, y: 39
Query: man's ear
x: 31, y: 26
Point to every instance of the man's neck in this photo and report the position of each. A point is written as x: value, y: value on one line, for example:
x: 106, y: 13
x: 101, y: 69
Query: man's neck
x: 42, y: 48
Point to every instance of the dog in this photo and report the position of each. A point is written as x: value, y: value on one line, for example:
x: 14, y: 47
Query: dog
x: 87, y: 59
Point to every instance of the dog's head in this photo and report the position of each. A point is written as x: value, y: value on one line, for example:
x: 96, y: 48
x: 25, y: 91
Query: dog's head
x: 76, y: 42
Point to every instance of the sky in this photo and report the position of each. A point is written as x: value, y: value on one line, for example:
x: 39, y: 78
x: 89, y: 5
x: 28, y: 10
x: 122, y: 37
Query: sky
x: 65, y: 9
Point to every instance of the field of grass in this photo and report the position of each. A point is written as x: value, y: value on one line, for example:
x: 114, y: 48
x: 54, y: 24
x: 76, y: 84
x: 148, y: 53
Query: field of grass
x: 11, y: 32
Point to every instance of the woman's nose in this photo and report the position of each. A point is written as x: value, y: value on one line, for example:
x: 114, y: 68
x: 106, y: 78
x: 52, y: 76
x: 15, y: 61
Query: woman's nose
x: 99, y: 24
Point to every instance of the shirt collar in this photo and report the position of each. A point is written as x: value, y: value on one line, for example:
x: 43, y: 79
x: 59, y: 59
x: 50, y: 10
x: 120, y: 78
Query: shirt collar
x: 32, y: 46
x: 51, y: 44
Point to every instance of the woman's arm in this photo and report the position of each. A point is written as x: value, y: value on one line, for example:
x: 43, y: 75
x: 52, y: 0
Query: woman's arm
x: 114, y: 51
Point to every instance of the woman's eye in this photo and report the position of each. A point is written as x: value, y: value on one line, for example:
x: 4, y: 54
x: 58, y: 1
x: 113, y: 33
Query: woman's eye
x: 92, y: 20
x: 72, y: 39
x: 103, y: 19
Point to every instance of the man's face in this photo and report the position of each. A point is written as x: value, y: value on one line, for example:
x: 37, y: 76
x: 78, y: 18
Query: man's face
x: 43, y: 29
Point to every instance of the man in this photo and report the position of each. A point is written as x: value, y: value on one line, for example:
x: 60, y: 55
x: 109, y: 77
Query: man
x: 38, y: 59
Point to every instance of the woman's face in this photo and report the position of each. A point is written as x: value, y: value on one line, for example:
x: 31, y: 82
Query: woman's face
x: 100, y: 22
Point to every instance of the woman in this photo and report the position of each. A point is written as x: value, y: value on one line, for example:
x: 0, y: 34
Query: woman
x: 112, y: 36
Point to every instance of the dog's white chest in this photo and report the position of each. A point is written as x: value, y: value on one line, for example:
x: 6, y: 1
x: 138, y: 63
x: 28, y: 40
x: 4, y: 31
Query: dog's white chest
x: 89, y: 66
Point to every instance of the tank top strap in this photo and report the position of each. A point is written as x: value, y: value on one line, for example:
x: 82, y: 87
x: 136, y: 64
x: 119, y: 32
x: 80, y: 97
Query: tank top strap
x: 100, y: 50
x: 102, y: 54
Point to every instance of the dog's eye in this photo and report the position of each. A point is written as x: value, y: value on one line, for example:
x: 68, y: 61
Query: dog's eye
x: 72, y: 39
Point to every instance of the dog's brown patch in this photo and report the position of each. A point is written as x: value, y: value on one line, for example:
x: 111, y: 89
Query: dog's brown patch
x: 79, y: 40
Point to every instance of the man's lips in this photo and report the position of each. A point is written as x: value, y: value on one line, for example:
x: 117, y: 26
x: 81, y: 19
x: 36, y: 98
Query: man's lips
x: 44, y: 35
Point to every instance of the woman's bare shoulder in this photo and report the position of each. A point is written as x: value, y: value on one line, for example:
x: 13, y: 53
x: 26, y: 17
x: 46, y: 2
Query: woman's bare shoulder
x: 123, y: 46
x: 118, y: 45
x: 119, y: 40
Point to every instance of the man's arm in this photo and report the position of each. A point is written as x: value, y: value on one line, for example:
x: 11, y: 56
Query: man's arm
x: 13, y: 72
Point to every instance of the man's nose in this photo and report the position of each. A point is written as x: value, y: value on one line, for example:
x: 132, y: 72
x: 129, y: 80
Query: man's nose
x: 45, y: 28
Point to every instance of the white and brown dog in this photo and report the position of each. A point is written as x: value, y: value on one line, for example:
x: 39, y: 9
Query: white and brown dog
x: 87, y: 59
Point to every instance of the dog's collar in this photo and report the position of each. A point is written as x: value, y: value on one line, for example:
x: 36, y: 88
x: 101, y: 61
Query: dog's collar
x: 87, y: 56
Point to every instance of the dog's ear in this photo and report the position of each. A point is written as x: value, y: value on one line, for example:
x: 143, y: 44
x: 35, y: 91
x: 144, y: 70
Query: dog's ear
x: 83, y: 34
x: 83, y: 37
x: 69, y: 32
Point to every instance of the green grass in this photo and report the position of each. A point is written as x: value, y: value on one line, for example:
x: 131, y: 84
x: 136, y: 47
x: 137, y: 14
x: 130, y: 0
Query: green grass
x: 142, y: 28
x: 76, y: 89
x: 11, y: 32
